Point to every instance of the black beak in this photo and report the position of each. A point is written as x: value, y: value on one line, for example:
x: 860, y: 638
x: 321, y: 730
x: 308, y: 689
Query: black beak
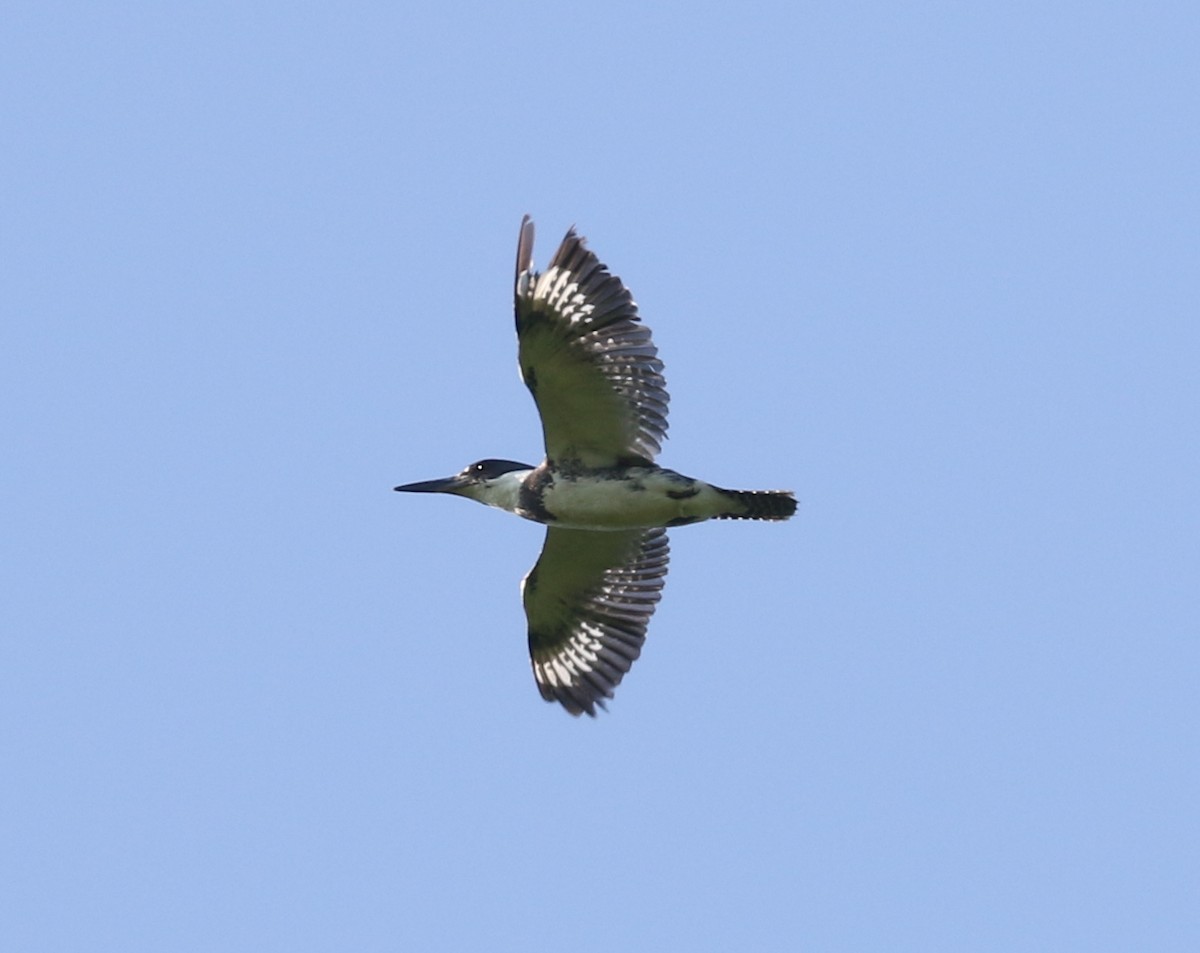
x: 446, y: 485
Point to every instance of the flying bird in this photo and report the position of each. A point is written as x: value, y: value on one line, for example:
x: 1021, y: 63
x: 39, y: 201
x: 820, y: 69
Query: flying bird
x: 595, y: 376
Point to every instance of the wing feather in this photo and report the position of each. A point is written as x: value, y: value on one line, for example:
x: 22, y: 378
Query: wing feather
x: 588, y: 601
x: 589, y: 362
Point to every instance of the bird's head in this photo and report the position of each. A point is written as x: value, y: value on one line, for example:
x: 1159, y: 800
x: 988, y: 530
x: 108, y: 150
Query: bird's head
x: 484, y: 480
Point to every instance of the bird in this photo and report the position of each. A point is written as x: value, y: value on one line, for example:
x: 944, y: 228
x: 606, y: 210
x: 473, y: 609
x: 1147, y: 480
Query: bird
x: 597, y: 381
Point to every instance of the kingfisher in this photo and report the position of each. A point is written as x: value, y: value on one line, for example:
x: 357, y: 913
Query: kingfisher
x: 598, y: 383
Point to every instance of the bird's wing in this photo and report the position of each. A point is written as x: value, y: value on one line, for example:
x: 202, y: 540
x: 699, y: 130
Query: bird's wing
x: 587, y: 358
x: 588, y: 601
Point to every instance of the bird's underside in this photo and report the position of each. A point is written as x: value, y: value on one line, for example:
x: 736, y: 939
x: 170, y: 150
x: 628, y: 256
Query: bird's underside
x: 587, y: 359
x: 598, y: 383
x: 588, y: 601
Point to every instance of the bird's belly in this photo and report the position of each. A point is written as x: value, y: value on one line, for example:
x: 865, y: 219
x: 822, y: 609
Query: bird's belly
x: 640, y: 500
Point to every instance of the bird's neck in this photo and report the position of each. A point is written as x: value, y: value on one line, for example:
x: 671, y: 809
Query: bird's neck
x: 503, y: 492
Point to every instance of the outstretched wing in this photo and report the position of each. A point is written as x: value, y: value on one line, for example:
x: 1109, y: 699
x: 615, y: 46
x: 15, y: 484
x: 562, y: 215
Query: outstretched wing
x: 588, y: 601
x: 587, y: 358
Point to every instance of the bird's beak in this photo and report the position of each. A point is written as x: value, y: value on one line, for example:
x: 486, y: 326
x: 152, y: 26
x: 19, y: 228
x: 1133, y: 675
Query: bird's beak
x: 447, y: 485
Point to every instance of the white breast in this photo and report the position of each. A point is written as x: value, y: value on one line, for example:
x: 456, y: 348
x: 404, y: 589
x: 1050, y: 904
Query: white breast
x: 641, y: 499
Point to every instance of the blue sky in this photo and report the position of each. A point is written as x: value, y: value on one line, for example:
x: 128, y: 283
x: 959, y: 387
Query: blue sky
x: 932, y: 266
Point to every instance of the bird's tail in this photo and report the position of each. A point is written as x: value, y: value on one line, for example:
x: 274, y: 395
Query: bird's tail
x: 758, y: 505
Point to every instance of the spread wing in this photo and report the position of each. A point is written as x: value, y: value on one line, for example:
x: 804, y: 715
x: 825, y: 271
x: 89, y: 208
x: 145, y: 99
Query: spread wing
x: 588, y: 601
x: 587, y: 358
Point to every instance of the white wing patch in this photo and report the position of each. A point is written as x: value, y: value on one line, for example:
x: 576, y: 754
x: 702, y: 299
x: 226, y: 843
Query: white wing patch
x: 557, y: 289
x: 576, y: 657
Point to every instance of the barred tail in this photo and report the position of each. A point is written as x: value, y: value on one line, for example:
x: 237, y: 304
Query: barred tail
x: 759, y: 505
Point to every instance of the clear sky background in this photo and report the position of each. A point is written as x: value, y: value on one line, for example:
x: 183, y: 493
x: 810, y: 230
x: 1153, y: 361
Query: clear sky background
x: 933, y: 266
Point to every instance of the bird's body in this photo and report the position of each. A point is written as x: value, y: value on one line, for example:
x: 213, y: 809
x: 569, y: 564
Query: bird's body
x: 598, y: 384
x: 611, y: 498
x: 636, y: 497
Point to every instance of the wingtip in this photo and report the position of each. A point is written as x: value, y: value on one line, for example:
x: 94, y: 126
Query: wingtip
x: 525, y: 246
x: 572, y: 240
